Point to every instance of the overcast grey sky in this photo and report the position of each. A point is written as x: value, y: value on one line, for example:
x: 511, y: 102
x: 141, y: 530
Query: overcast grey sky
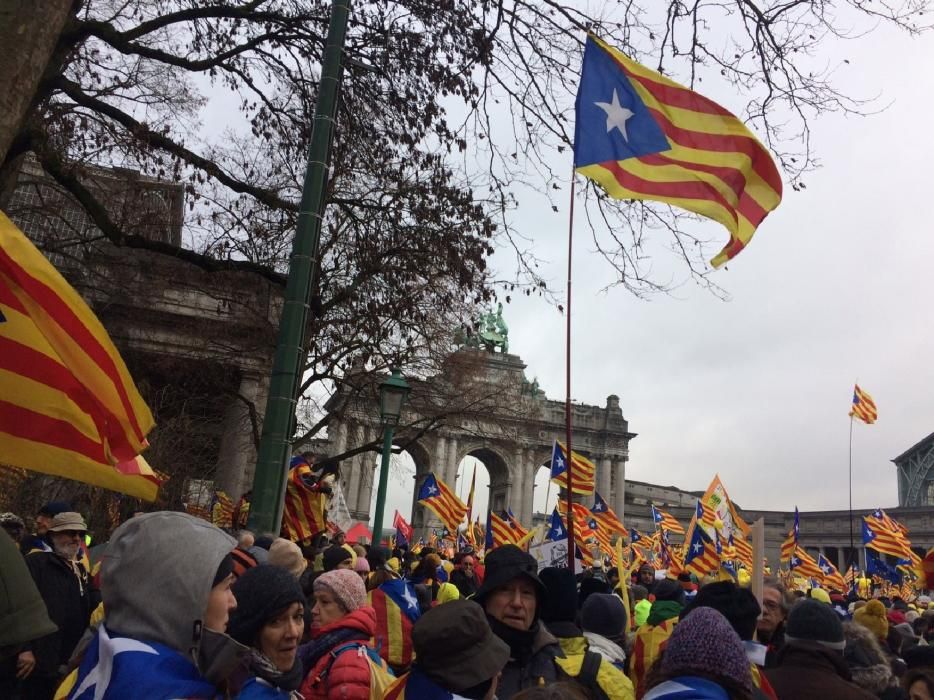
x: 834, y: 288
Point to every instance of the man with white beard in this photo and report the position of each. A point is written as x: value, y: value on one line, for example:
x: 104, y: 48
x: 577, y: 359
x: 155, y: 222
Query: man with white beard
x: 64, y: 585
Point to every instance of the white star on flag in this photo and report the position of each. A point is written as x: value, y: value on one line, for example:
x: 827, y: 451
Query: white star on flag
x: 697, y: 547
x: 409, y: 598
x: 616, y: 115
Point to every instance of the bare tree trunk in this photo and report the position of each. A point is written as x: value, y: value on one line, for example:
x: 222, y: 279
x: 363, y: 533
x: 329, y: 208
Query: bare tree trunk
x: 29, y: 32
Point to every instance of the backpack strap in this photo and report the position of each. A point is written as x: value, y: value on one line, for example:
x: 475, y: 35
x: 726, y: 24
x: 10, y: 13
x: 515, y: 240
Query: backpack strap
x: 587, y: 677
x: 332, y: 657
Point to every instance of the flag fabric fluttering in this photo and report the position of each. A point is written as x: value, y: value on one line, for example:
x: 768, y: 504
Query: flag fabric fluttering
x: 606, y: 516
x: 643, y: 136
x: 803, y: 564
x: 69, y: 406
x: 305, y: 513
x: 403, y: 529
x: 875, y: 566
x: 791, y: 540
x: 832, y: 577
x: 863, y: 406
x: 705, y: 515
x: 582, y: 470
x: 519, y: 532
x: 222, y: 510
x: 666, y: 521
x: 500, y: 531
x: 396, y: 606
x: 878, y: 537
x: 701, y: 556
x: 442, y: 501
x: 473, y: 483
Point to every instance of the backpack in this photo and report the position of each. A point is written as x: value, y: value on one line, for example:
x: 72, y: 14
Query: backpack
x: 381, y: 677
x: 587, y: 676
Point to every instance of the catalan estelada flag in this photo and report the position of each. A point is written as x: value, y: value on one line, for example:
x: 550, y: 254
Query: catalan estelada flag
x: 803, y: 564
x: 396, y: 608
x: 791, y: 540
x: 701, y: 555
x: 606, y: 516
x: 743, y: 549
x: 582, y: 470
x: 876, y: 536
x: 442, y: 501
x: 68, y: 406
x: 863, y: 406
x: 666, y: 521
x: 499, y: 531
x: 222, y: 510
x: 832, y: 578
x: 305, y: 513
x: 643, y: 136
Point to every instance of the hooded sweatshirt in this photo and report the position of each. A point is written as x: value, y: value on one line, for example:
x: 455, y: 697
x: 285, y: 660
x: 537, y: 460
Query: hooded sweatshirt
x: 156, y: 578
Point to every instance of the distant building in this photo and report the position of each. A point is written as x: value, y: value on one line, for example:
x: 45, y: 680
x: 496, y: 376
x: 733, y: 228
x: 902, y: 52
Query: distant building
x: 915, y: 468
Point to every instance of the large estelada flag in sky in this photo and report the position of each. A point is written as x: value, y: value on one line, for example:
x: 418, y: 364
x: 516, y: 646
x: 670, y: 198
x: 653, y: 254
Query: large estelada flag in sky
x: 68, y: 406
x: 643, y: 136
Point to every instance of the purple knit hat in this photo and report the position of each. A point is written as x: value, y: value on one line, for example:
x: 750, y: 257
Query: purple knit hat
x: 704, y: 643
x: 345, y: 585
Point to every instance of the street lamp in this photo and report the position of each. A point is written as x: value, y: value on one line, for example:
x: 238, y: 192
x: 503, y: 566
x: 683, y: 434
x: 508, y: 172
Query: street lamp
x: 392, y: 393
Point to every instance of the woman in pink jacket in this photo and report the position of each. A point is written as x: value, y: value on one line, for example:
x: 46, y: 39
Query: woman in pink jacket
x: 342, y: 623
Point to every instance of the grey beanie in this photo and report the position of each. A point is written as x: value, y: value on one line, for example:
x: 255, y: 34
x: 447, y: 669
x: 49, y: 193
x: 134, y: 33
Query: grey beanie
x: 814, y: 622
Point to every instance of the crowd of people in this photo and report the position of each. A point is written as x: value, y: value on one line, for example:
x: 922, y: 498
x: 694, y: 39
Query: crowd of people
x: 178, y: 608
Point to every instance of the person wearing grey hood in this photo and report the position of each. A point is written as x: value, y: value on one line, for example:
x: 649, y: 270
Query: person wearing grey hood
x: 166, y: 584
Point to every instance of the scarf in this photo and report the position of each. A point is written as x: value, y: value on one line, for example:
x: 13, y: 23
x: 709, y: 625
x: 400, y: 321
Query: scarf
x: 310, y: 653
x: 265, y: 669
x: 519, y: 641
x: 663, y: 610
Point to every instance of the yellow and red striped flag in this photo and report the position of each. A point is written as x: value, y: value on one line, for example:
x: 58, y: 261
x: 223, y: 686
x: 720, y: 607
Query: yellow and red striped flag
x: 832, y: 578
x: 666, y: 521
x: 68, y: 406
x: 743, y: 550
x: 606, y: 516
x: 877, y: 536
x: 499, y: 530
x: 700, y: 554
x: 222, y: 510
x: 803, y: 564
x: 582, y: 470
x: 443, y: 502
x: 305, y: 512
x: 643, y: 136
x: 863, y: 406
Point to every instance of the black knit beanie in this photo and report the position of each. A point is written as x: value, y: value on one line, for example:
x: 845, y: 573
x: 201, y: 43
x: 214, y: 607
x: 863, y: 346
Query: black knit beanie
x: 813, y: 621
x: 738, y: 605
x: 559, y: 603
x: 225, y: 569
x: 262, y: 593
x: 604, y: 614
x: 334, y: 555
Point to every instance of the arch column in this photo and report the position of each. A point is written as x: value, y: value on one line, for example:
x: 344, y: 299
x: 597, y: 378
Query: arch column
x: 449, y: 465
x: 603, y: 477
x: 367, y: 473
x: 236, y: 458
x: 527, y: 487
x: 352, y: 491
x: 619, y: 497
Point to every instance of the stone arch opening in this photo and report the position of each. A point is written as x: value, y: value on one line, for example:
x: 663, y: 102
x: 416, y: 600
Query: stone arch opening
x: 546, y: 493
x: 404, y: 467
x: 499, y: 479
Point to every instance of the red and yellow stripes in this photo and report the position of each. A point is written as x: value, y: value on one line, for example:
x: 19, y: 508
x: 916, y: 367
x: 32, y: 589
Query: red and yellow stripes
x: 304, y: 514
x: 502, y: 533
x: 393, y: 631
x: 806, y: 565
x: 715, y: 166
x: 863, y: 407
x: 68, y: 406
x: 446, y: 505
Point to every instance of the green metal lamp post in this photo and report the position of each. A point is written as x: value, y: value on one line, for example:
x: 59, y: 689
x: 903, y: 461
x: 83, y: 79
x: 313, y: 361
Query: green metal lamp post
x: 392, y: 393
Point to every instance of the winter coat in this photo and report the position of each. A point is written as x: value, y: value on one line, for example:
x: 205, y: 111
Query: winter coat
x: 538, y: 670
x: 66, y: 592
x: 23, y: 615
x: 154, y: 614
x: 651, y: 641
x: 869, y: 664
x: 348, y: 677
x: 258, y: 689
x: 467, y: 585
x: 809, y: 671
x: 613, y: 682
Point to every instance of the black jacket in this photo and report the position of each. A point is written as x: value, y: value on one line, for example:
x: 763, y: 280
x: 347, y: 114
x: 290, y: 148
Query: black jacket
x: 813, y: 672
x: 465, y: 584
x: 67, y: 597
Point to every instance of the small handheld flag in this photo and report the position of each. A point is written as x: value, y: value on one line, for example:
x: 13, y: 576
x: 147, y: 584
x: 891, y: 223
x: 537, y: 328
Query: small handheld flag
x: 666, y: 521
x: 642, y: 136
x: 441, y: 500
x: 582, y: 469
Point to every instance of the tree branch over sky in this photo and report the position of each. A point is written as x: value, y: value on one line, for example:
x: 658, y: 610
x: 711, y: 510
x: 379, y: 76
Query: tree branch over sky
x: 449, y: 111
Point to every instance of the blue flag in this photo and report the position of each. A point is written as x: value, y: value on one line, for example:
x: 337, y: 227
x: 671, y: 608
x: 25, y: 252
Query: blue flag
x: 875, y: 566
x: 403, y: 595
x: 556, y: 529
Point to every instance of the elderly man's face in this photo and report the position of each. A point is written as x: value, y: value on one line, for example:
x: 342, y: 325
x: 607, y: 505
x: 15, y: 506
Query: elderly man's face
x: 772, y: 614
x: 514, y: 603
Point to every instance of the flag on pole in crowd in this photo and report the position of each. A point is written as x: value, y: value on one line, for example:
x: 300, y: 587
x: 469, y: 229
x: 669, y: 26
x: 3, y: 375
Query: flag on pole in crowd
x: 877, y: 567
x: 305, y: 513
x: 705, y: 515
x: 601, y: 536
x: 403, y: 529
x: 69, y: 406
x: 498, y: 531
x: 473, y: 483
x: 582, y: 469
x: 700, y: 556
x: 643, y: 136
x: 606, y: 516
x: 889, y: 523
x: 876, y: 536
x: 222, y: 510
x: 743, y: 549
x: 666, y: 521
x: 832, y: 578
x: 441, y: 500
x: 791, y: 540
x: 803, y: 564
x: 635, y: 536
x: 554, y: 548
x: 863, y: 406
x: 519, y: 533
